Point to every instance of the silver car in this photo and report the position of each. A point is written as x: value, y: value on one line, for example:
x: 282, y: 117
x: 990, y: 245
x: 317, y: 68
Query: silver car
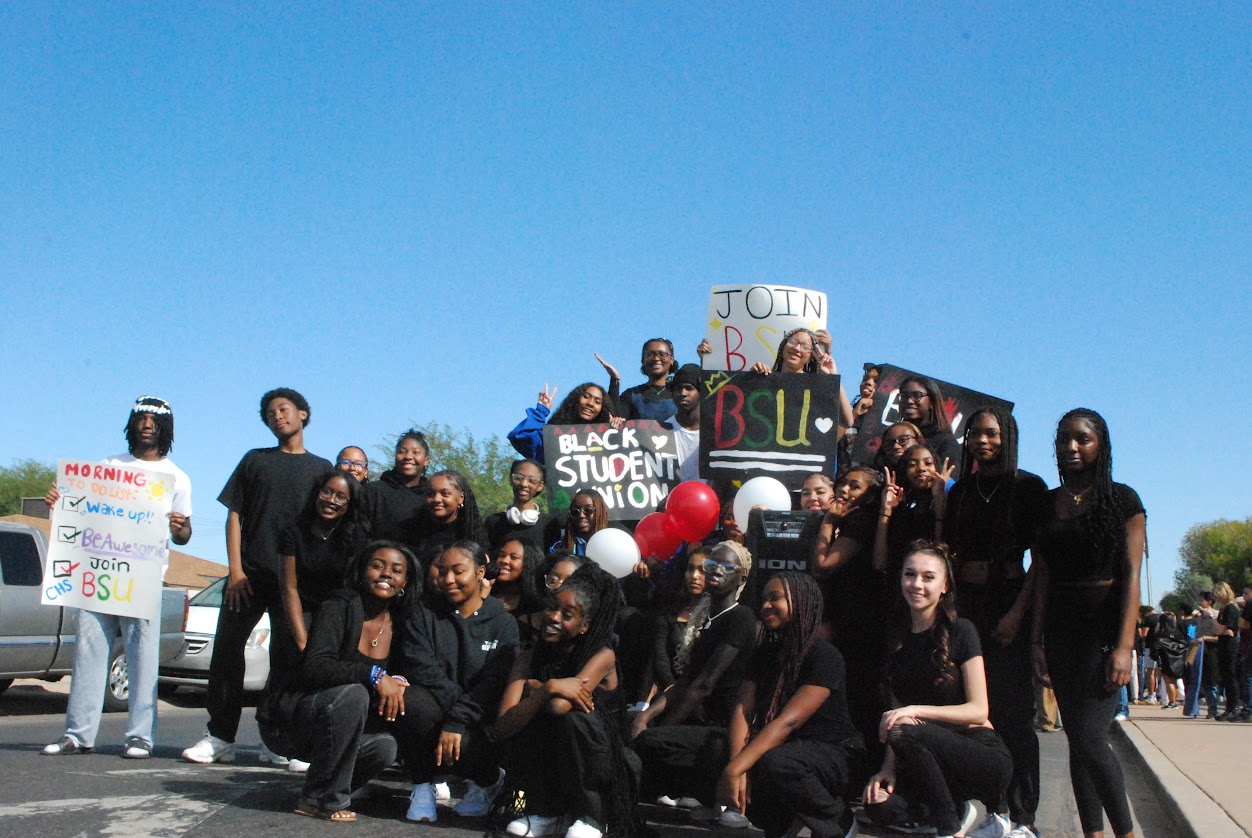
x: 191, y: 666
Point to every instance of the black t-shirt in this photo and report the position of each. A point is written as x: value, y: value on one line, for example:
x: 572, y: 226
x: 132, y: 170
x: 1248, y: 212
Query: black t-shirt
x: 1229, y: 617
x: 1069, y: 544
x: 981, y: 528
x: 540, y: 534
x: 855, y: 589
x: 320, y: 563
x: 822, y: 667
x: 1247, y: 616
x: 267, y: 489
x: 735, y: 627
x: 912, y: 669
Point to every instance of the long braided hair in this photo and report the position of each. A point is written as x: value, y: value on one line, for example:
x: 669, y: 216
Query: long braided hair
x: 1108, y: 516
x: 792, y: 644
x: 945, y: 614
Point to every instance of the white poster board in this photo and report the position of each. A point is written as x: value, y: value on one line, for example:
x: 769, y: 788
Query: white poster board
x: 108, y: 547
x: 746, y: 322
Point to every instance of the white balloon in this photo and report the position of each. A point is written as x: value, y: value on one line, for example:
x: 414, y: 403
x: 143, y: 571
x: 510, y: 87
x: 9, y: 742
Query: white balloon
x: 614, y: 550
x: 760, y: 491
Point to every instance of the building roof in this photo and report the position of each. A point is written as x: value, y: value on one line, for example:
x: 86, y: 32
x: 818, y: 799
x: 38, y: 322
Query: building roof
x: 185, y: 571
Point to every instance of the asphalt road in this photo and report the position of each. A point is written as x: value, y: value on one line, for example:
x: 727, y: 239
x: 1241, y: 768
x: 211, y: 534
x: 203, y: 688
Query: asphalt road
x: 102, y: 794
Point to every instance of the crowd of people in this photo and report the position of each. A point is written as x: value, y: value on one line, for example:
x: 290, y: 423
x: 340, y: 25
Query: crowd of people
x: 901, y: 672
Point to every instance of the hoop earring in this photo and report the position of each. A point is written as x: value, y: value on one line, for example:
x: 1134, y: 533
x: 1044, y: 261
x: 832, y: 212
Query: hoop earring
x: 400, y: 593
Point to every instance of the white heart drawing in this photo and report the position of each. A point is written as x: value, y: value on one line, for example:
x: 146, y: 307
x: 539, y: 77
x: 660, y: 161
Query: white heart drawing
x: 823, y: 424
x: 658, y: 442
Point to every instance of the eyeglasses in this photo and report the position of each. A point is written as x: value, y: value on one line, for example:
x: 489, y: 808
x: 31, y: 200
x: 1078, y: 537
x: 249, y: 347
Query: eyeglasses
x: 901, y: 440
x: 711, y: 565
x: 913, y: 395
x: 330, y: 494
x: 654, y: 356
x: 354, y: 463
x: 523, y: 480
x: 582, y: 511
x: 552, y: 582
x: 803, y: 344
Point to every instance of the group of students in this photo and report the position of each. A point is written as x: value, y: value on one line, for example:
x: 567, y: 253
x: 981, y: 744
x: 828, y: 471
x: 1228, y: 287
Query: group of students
x: 406, y: 624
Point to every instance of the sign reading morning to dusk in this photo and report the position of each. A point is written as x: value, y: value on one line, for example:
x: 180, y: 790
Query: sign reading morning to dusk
x: 108, y: 546
x: 781, y: 425
x: 746, y: 322
x: 632, y: 467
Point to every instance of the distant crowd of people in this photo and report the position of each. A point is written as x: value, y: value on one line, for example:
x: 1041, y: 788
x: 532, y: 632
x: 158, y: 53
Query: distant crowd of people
x: 900, y: 673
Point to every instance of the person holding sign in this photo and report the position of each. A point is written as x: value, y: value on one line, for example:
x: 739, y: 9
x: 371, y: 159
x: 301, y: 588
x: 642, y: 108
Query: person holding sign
x: 587, y: 404
x: 266, y: 490
x: 652, y: 399
x: 149, y: 438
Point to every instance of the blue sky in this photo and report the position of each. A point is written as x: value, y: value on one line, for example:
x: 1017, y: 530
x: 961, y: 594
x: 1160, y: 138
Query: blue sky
x: 425, y: 213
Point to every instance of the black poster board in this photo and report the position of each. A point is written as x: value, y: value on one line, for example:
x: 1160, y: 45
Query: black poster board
x: 633, y: 467
x: 959, y: 403
x: 783, y: 425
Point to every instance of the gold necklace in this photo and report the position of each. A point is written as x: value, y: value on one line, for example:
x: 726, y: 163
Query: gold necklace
x: 978, y: 486
x: 1078, y: 497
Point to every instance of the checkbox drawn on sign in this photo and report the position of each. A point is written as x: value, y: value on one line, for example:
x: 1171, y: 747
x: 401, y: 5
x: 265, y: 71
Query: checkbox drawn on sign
x: 70, y: 503
x: 68, y: 535
x: 62, y: 568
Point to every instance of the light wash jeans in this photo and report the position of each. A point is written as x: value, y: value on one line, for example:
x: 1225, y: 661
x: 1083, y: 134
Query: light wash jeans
x: 91, y: 670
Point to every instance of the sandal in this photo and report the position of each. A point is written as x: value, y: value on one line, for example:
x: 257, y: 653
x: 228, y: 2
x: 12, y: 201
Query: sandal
x: 334, y: 816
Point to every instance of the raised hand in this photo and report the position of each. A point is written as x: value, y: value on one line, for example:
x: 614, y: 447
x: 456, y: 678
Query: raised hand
x: 545, y: 398
x: 609, y: 368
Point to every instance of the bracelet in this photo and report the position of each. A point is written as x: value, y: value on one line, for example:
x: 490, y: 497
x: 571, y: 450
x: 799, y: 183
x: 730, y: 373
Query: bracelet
x: 377, y: 673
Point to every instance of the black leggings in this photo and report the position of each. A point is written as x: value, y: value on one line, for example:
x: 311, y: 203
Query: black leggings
x: 682, y: 760
x: 1228, y: 664
x: 937, y: 767
x: 1081, y: 633
x: 802, y: 780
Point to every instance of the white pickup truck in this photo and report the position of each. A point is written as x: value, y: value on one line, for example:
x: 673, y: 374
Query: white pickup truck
x: 37, y: 641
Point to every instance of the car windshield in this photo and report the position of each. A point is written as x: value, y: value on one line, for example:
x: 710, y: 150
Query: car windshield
x: 210, y: 597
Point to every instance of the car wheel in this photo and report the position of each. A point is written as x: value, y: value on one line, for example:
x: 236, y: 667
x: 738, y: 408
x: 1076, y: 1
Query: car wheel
x: 117, y: 688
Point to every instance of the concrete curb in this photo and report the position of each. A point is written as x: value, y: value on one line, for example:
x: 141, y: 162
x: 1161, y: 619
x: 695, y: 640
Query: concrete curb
x: 1196, y: 813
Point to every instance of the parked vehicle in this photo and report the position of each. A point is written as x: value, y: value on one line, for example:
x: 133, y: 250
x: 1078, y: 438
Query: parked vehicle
x: 37, y: 641
x: 190, y: 667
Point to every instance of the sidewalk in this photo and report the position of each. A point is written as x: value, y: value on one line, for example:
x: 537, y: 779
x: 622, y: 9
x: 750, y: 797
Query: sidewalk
x: 1196, y: 766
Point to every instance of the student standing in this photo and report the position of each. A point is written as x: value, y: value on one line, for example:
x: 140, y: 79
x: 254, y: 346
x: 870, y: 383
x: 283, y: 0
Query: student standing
x: 149, y: 438
x: 653, y: 399
x: 267, y: 489
x: 684, y: 388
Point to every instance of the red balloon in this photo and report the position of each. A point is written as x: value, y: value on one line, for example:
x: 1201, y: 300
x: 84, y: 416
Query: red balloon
x: 656, y: 537
x: 693, y: 508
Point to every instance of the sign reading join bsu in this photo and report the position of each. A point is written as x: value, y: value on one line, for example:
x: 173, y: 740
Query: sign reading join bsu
x: 782, y: 425
x: 108, y: 547
x: 632, y: 467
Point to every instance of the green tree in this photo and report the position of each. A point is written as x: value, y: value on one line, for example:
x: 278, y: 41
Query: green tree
x: 484, y: 460
x: 23, y: 479
x: 1221, y: 550
x: 1187, y: 587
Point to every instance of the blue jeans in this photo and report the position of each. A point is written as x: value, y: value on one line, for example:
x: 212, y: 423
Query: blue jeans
x: 91, y: 670
x: 1123, y: 704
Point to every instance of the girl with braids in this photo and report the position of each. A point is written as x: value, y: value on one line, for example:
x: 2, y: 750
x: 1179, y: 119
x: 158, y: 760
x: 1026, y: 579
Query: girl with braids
x: 396, y: 497
x: 1090, y: 545
x: 587, y: 515
x: 916, y: 497
x: 941, y: 750
x: 993, y: 513
x: 587, y: 404
x: 450, y: 514
x: 922, y: 403
x: 562, y: 722
x: 790, y: 732
x: 685, y: 747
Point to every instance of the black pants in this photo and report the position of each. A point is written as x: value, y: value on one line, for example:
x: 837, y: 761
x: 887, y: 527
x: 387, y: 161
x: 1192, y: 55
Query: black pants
x: 564, y: 765
x: 1228, y: 666
x: 418, y: 734
x: 802, y: 780
x: 226, y: 668
x: 682, y: 761
x: 937, y: 767
x: 327, y: 728
x: 1081, y: 631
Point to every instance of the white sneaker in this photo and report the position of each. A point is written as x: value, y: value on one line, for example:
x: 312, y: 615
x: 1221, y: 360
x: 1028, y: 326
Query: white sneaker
x: 268, y: 757
x: 297, y: 766
x: 442, y: 793
x: 477, y: 800
x: 534, y: 826
x: 1023, y: 831
x: 667, y: 801
x: 733, y: 819
x: 422, y: 804
x: 210, y: 749
x: 686, y: 803
x: 967, y: 820
x: 992, y: 826
x: 581, y: 829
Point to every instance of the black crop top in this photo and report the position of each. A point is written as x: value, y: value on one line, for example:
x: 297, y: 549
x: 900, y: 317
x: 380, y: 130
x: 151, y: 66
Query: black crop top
x: 1069, y: 544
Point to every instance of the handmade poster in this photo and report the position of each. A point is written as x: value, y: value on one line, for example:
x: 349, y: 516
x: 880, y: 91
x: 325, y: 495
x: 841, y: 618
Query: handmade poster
x: 782, y: 425
x: 108, y: 548
x: 959, y: 403
x: 632, y: 467
x: 747, y: 322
